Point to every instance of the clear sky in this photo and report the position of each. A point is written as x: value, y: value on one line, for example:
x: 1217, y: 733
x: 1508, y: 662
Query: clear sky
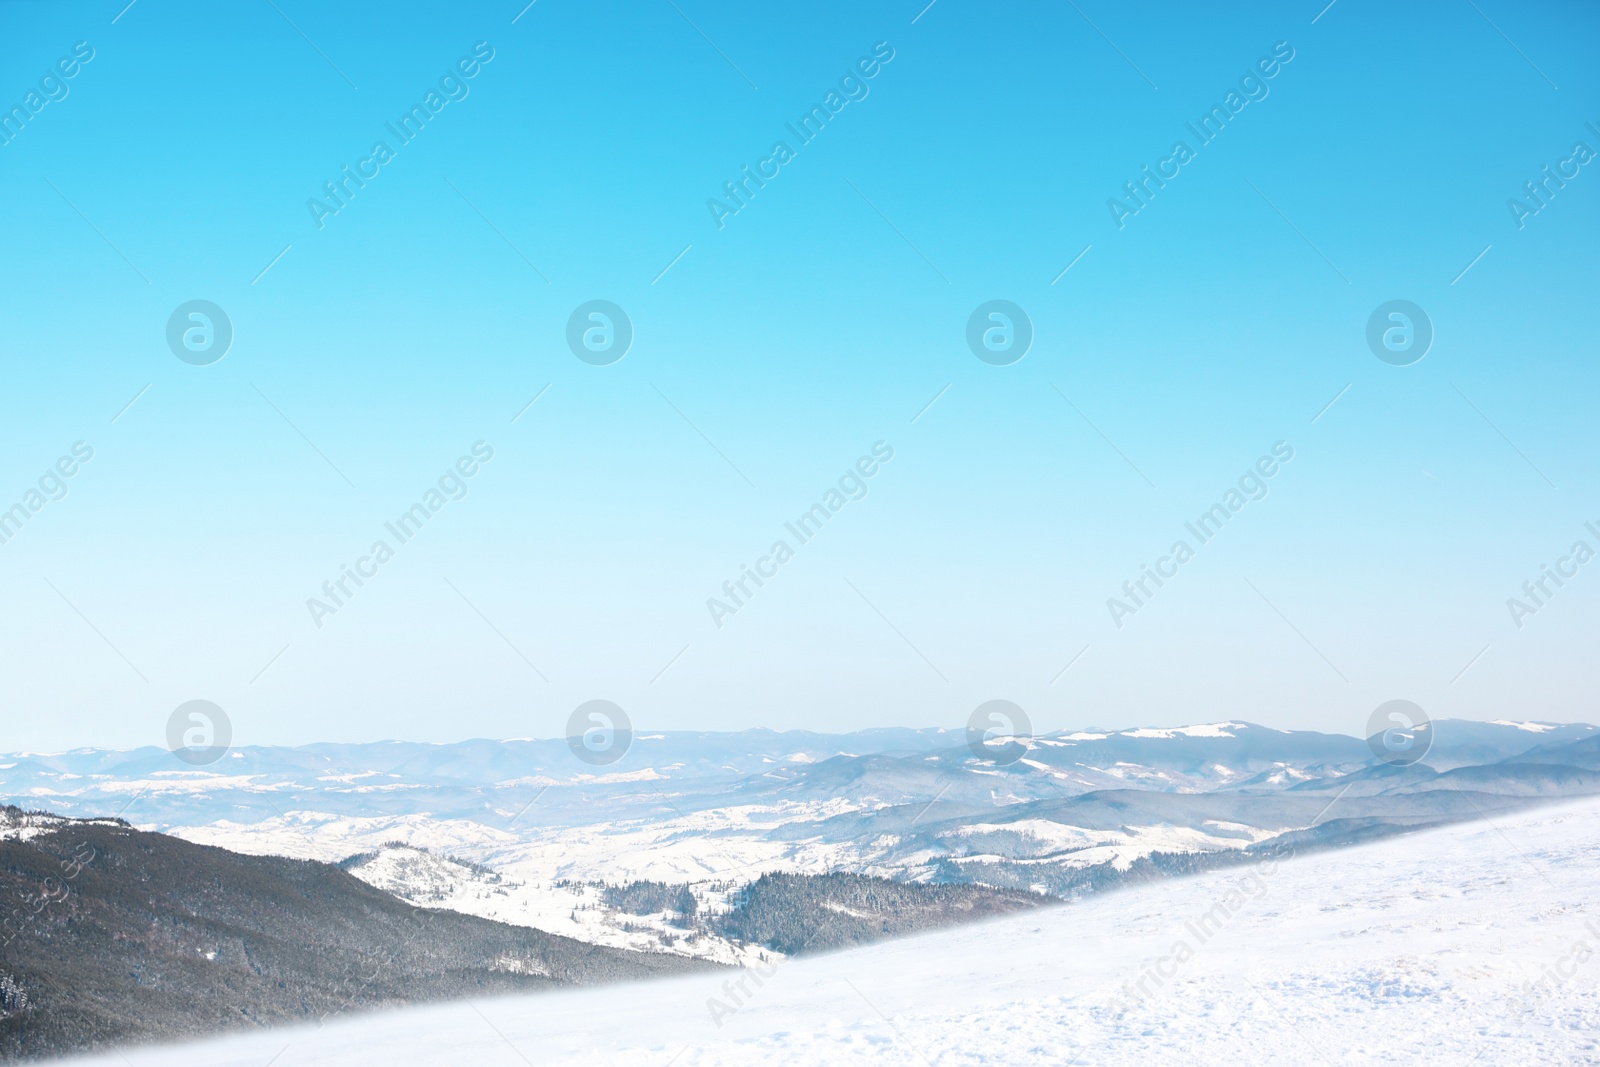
x: 969, y: 153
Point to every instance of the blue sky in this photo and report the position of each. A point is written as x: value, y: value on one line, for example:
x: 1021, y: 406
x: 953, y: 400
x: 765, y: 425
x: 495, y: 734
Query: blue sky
x: 769, y: 354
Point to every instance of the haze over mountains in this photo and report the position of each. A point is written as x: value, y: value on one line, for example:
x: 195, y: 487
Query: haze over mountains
x: 490, y: 781
x: 515, y: 862
x: 524, y: 833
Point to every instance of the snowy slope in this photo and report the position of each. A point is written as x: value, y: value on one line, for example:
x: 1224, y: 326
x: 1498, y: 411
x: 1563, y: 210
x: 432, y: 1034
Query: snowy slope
x: 532, y: 882
x: 1420, y: 949
x: 573, y: 909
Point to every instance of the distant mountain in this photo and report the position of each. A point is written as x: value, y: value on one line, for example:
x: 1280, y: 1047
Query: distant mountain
x: 1514, y: 778
x: 479, y: 779
x: 114, y: 936
x: 591, y: 911
x: 1076, y: 845
x: 489, y: 782
x: 522, y: 832
x: 1583, y: 753
x: 1462, y: 743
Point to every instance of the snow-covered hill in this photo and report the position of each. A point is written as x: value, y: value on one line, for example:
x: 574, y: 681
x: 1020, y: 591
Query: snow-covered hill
x: 1475, y: 943
x: 1076, y: 812
x: 574, y: 909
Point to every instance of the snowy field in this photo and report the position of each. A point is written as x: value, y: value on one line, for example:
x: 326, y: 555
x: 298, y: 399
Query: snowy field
x: 548, y: 883
x: 1475, y: 943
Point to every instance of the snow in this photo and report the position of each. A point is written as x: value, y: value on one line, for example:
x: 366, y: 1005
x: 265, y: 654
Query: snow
x: 330, y: 838
x: 25, y: 826
x: 1422, y: 949
x: 712, y: 851
x: 1531, y: 727
x: 568, y: 908
x: 1210, y: 729
x: 1090, y: 847
x: 648, y: 774
x: 192, y: 782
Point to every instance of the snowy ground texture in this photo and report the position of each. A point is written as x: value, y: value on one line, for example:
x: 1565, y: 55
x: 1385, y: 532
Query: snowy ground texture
x: 1429, y: 948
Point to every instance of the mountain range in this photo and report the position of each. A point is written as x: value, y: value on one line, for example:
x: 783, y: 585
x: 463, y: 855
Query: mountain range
x: 691, y: 843
x: 522, y: 831
x: 114, y: 935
